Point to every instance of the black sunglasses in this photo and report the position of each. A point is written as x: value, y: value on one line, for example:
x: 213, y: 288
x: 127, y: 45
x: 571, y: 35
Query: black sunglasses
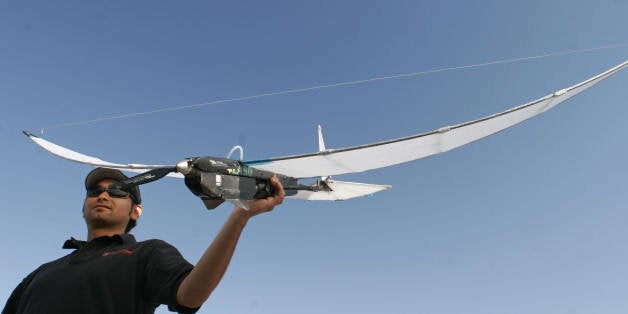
x: 113, y: 192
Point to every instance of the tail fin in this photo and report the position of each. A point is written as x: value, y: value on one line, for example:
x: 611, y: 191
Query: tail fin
x: 321, y: 147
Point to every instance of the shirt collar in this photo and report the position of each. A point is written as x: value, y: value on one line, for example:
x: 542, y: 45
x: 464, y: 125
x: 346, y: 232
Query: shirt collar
x: 73, y: 243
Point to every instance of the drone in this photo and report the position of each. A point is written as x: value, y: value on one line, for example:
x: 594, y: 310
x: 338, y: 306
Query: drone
x: 215, y: 180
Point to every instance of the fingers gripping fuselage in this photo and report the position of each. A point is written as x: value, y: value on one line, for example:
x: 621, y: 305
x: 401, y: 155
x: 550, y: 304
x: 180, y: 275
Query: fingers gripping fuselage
x: 217, y: 179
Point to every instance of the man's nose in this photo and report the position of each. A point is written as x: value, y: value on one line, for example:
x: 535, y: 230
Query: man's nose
x: 104, y: 195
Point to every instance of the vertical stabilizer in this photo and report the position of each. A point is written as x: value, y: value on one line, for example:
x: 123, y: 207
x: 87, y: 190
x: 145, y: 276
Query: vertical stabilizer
x: 321, y: 146
x: 321, y: 142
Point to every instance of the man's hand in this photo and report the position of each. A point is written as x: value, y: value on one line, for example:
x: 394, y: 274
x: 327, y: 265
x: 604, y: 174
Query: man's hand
x: 258, y: 206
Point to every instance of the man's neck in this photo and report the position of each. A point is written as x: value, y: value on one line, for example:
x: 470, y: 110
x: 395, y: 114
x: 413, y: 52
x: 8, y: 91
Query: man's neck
x: 97, y: 233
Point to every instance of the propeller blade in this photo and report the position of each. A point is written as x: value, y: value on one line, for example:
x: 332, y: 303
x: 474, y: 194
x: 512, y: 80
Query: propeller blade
x: 148, y: 176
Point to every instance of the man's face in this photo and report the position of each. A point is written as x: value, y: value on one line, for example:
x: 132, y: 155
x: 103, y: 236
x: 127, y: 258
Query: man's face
x: 105, y: 211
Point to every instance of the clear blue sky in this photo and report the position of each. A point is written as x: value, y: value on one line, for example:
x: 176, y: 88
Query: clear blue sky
x: 531, y: 220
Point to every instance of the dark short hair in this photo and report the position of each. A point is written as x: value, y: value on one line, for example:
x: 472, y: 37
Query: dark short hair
x: 132, y: 223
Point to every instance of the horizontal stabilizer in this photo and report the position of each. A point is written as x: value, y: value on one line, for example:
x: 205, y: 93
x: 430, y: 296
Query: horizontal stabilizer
x: 340, y: 190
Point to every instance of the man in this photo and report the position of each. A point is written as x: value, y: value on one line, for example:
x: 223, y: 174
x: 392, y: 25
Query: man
x: 112, y: 273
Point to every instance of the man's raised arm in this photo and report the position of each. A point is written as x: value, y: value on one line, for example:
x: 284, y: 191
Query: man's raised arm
x: 206, y: 275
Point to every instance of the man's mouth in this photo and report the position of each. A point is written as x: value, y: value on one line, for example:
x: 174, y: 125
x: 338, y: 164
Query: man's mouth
x: 102, y: 207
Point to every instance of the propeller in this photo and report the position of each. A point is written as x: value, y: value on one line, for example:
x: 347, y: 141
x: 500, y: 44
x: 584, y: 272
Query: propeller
x: 146, y: 177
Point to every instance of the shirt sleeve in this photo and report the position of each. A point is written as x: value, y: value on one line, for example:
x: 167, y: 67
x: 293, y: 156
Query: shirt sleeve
x: 13, y: 303
x: 14, y: 300
x: 165, y: 270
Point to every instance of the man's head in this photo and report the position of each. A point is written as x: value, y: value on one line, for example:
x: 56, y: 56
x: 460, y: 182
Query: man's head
x: 106, y: 205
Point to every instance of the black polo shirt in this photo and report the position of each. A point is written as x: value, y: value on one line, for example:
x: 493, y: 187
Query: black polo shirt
x: 106, y: 275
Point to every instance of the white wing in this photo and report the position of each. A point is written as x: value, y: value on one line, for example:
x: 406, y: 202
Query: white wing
x: 89, y: 160
x: 392, y: 152
x: 376, y: 155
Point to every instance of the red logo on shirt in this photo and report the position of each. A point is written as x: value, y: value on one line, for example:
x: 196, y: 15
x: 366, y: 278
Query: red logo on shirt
x: 125, y: 252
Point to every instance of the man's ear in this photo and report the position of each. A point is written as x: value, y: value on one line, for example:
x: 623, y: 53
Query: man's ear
x: 136, y: 211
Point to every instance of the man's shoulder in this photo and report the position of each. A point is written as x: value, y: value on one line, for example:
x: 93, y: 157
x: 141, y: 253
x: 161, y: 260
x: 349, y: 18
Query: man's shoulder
x: 156, y: 249
x: 154, y: 242
x: 46, y: 265
x: 57, y: 260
